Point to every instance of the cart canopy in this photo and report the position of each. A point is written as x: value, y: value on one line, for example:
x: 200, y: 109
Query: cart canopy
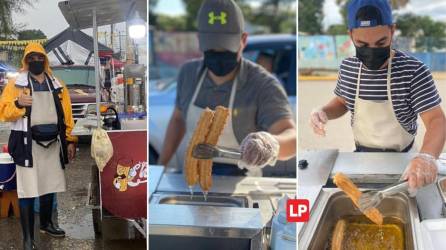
x: 78, y: 13
x: 73, y: 46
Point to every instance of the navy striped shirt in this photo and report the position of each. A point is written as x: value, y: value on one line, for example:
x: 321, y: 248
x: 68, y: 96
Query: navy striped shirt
x: 412, y: 87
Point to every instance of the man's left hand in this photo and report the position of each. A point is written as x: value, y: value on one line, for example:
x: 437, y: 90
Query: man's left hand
x: 71, y: 148
x: 421, y: 171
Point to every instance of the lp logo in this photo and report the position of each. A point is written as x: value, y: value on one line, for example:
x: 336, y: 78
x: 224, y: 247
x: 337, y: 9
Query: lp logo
x: 298, y: 210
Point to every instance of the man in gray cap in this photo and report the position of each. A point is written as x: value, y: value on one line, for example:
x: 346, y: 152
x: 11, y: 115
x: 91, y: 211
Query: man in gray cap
x: 261, y: 123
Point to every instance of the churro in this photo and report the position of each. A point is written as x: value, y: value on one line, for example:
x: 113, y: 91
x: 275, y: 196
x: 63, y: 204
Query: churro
x: 338, y: 235
x: 205, y: 166
x: 352, y: 191
x: 191, y: 172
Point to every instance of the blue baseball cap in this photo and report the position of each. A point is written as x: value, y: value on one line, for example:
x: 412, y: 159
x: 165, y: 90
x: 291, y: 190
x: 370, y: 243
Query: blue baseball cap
x: 369, y: 13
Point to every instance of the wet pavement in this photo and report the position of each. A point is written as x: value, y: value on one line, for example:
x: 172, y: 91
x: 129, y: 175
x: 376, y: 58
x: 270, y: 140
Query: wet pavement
x: 74, y: 215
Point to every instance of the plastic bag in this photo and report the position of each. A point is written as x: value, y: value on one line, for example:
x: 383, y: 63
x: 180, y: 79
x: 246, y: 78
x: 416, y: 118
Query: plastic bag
x: 101, y: 148
x: 258, y: 150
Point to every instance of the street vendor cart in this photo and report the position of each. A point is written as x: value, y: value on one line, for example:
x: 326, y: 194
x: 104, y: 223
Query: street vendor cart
x: 117, y: 194
x: 238, y: 213
x: 421, y: 219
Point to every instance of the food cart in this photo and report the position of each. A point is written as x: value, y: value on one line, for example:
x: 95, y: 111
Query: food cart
x: 423, y: 218
x: 239, y: 212
x: 117, y: 195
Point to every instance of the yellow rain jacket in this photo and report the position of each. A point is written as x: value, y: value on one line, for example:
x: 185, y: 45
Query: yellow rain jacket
x: 19, y: 144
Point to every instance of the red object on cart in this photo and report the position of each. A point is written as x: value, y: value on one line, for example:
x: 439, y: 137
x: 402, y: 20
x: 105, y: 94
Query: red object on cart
x: 124, y: 178
x: 116, y: 63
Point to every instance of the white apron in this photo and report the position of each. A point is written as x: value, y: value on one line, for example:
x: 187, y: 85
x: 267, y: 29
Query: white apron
x: 375, y: 124
x: 46, y: 175
x: 193, y: 113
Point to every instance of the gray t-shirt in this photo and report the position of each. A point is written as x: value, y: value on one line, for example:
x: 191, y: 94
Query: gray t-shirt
x: 260, y: 100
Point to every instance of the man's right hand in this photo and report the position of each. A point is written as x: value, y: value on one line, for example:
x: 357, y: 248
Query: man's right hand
x: 318, y: 119
x: 25, y: 100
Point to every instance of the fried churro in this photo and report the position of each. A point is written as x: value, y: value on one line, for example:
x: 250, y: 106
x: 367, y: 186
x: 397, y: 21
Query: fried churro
x: 205, y: 166
x: 208, y: 130
x: 352, y: 191
x: 191, y: 172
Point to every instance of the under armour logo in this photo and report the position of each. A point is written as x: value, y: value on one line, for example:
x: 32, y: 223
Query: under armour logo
x: 221, y: 17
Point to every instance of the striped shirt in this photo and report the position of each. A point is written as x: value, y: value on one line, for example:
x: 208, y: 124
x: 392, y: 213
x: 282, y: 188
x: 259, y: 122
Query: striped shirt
x: 412, y: 87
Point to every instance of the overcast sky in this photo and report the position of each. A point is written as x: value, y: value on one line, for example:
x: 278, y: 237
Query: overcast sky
x: 46, y: 16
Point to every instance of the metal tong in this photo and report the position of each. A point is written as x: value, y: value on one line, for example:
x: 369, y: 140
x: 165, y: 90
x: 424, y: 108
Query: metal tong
x: 208, y: 151
x: 372, y: 198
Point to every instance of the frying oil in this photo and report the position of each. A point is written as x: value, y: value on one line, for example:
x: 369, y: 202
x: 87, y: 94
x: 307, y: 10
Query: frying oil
x: 362, y: 234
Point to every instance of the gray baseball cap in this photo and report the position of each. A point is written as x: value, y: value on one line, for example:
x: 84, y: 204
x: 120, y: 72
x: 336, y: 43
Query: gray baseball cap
x: 220, y: 25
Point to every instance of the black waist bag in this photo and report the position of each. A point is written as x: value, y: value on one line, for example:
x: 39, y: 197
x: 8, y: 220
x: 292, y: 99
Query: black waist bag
x: 47, y: 133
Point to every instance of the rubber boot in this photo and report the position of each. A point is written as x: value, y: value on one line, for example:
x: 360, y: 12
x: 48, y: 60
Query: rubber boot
x: 46, y: 219
x: 27, y: 221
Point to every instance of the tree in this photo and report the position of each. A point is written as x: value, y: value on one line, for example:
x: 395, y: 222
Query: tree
x: 7, y: 7
x: 152, y: 15
x: 30, y: 35
x: 337, y: 29
x: 428, y: 34
x: 398, y: 4
x: 192, y: 7
x: 277, y: 15
x: 170, y: 23
x: 310, y: 16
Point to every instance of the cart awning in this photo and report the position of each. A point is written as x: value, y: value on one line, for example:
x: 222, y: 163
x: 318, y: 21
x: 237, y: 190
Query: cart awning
x: 78, y: 13
x: 73, y: 46
x: 117, y: 63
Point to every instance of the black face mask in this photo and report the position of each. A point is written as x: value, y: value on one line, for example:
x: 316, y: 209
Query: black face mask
x: 220, y: 63
x: 36, y: 67
x: 373, y: 58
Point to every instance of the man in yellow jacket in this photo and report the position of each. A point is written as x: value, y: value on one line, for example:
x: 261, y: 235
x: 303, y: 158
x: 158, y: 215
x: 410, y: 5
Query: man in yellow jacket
x: 39, y: 109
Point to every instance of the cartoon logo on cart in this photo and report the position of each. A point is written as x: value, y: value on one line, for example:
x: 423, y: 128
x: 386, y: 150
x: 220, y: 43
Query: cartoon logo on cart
x: 127, y: 176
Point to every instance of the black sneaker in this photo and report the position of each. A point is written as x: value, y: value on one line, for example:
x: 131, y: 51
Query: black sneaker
x: 53, y: 231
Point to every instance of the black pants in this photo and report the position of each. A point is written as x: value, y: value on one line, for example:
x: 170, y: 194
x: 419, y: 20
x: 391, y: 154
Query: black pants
x: 30, y: 201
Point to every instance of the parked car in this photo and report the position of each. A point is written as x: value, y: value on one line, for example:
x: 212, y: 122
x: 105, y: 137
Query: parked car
x: 80, y: 81
x: 162, y: 95
x: 3, y: 80
x: 6, y: 72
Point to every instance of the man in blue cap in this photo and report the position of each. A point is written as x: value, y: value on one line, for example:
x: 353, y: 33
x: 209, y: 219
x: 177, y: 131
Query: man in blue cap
x: 385, y: 90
